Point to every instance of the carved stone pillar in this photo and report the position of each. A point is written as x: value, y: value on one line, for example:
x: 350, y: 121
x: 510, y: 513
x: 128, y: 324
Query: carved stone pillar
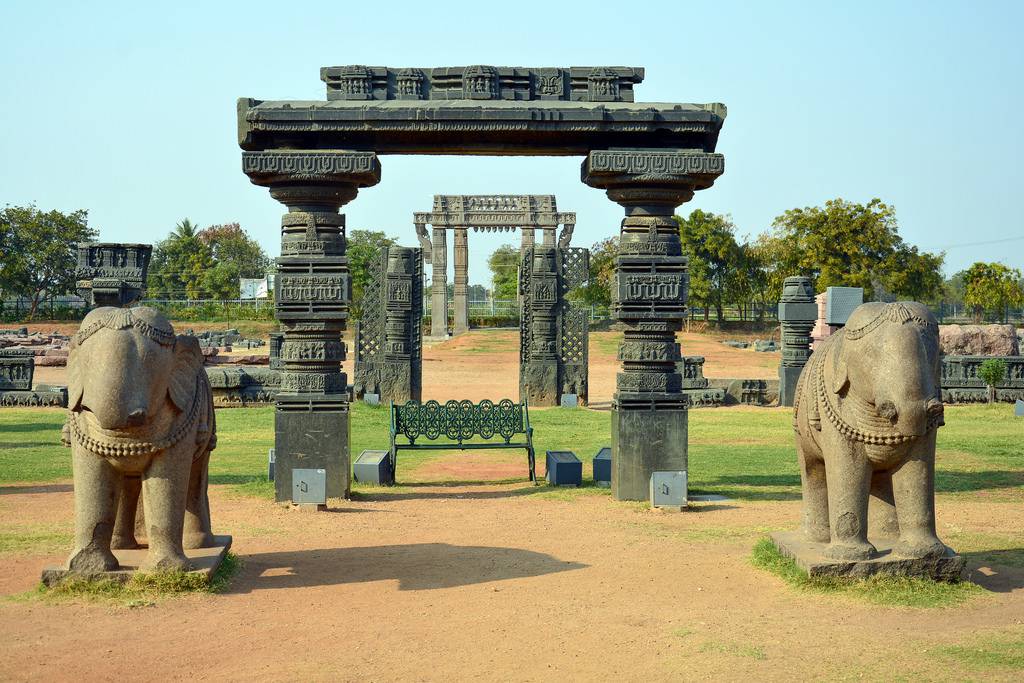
x: 538, y: 339
x: 797, y: 315
x: 649, y: 410
x: 402, y: 370
x: 461, y: 281
x: 528, y: 239
x: 439, y: 285
x: 312, y: 291
x: 549, y: 237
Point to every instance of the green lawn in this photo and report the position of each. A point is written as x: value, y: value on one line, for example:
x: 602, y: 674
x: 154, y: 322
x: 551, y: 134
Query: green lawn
x: 738, y: 452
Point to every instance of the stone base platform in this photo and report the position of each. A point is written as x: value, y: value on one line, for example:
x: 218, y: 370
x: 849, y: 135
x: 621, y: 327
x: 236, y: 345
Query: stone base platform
x: 810, y: 557
x: 205, y: 562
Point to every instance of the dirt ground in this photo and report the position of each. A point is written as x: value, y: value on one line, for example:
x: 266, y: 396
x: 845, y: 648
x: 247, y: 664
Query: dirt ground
x: 484, y: 364
x: 453, y: 583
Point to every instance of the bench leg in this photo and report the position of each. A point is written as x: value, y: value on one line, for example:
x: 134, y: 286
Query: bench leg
x: 533, y: 467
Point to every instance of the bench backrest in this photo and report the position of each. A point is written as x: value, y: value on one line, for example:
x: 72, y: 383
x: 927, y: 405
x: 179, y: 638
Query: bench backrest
x: 460, y: 420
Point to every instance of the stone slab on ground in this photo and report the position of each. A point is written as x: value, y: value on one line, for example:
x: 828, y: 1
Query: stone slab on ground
x: 205, y: 561
x: 810, y: 557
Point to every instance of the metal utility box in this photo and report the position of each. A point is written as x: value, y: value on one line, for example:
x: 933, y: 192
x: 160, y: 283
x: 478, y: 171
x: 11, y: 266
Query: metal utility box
x: 564, y: 468
x: 840, y: 302
x: 668, y: 490
x: 373, y: 467
x: 271, y: 459
x: 309, y: 487
x: 371, y: 399
x: 603, y: 467
x: 570, y: 400
x: 1018, y: 408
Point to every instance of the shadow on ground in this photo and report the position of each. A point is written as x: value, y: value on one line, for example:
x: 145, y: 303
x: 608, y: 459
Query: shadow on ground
x: 417, y: 566
x: 36, y: 488
x: 1000, y: 571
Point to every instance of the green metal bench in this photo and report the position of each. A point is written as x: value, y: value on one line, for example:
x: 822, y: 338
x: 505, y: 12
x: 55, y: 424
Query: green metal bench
x: 451, y: 425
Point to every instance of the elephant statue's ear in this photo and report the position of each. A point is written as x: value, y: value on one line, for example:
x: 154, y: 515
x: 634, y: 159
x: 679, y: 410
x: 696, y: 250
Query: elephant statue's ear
x: 840, y: 376
x: 75, y: 387
x: 188, y: 361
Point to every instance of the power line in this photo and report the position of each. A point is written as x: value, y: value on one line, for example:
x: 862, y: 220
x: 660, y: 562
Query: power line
x: 978, y: 244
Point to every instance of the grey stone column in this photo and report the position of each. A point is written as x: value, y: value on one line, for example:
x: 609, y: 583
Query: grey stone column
x: 797, y: 314
x: 439, y: 284
x: 461, y: 280
x: 528, y: 239
x: 312, y: 291
x: 549, y: 237
x: 402, y: 369
x: 540, y: 291
x: 649, y: 410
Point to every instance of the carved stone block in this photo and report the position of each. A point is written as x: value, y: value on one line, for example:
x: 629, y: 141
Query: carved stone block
x: 112, y: 274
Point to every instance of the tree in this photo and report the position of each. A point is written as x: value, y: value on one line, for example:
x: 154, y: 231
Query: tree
x: 991, y: 372
x: 716, y: 259
x: 362, y: 248
x: 504, y: 265
x: 851, y: 245
x: 992, y: 287
x: 180, y: 263
x: 598, y: 289
x: 40, y: 251
x: 230, y: 244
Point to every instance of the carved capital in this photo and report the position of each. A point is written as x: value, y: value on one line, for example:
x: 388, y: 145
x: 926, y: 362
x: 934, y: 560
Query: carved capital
x: 651, y: 181
x: 323, y: 177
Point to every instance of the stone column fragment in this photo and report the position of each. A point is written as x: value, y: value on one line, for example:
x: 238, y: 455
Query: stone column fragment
x: 312, y: 292
x: 402, y: 369
x: 461, y: 281
x: 649, y: 410
x: 797, y: 314
x: 439, y: 285
x: 539, y: 289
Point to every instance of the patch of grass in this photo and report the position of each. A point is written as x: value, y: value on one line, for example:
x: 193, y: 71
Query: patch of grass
x: 34, y: 539
x: 141, y: 590
x: 994, y: 652
x: 734, y: 649
x: 682, y: 632
x: 742, y: 453
x: 890, y: 591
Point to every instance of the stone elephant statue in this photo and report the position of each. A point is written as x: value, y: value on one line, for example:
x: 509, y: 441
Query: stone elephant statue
x: 867, y: 409
x: 140, y: 420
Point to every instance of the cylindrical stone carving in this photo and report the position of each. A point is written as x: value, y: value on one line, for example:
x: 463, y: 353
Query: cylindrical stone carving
x: 797, y: 313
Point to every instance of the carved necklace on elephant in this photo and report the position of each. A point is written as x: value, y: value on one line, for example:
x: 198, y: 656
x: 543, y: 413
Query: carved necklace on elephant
x: 110, y: 447
x: 849, y: 431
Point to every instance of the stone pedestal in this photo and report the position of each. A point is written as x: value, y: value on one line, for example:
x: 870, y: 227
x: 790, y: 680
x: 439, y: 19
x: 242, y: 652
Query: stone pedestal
x: 461, y: 282
x: 649, y: 410
x: 644, y: 441
x: 439, y: 285
x: 810, y: 557
x: 312, y: 291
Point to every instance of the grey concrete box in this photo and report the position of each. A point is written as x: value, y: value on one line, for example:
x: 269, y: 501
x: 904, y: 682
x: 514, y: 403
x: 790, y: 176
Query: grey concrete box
x: 570, y: 400
x: 564, y: 468
x: 603, y: 466
x: 309, y: 487
x: 789, y: 310
x: 373, y: 467
x: 1018, y: 408
x: 840, y: 303
x: 668, y: 489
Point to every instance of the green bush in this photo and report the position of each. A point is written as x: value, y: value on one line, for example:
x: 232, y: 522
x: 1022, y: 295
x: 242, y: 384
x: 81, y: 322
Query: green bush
x: 992, y: 371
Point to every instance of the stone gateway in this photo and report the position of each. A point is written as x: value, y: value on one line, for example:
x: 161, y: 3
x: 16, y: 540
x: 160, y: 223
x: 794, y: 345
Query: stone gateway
x: 648, y: 157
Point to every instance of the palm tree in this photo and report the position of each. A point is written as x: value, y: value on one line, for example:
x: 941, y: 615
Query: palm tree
x: 186, y: 229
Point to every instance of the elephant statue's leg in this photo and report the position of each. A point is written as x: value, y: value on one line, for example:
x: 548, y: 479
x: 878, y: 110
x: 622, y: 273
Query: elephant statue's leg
x: 914, y: 489
x: 882, y: 521
x: 164, y: 490
x: 848, y: 474
x: 127, y: 506
x: 812, y: 477
x: 198, y: 533
x: 95, y: 500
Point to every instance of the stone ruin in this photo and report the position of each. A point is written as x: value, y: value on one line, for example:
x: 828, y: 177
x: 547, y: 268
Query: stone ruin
x: 488, y: 213
x: 553, y: 332
x: 389, y: 334
x: 20, y: 353
x: 112, y: 274
x: 797, y: 312
x: 961, y: 384
x: 699, y: 393
x: 314, y: 156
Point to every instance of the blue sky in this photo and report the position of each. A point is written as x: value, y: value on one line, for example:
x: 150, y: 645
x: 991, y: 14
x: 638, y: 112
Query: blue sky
x: 128, y: 109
